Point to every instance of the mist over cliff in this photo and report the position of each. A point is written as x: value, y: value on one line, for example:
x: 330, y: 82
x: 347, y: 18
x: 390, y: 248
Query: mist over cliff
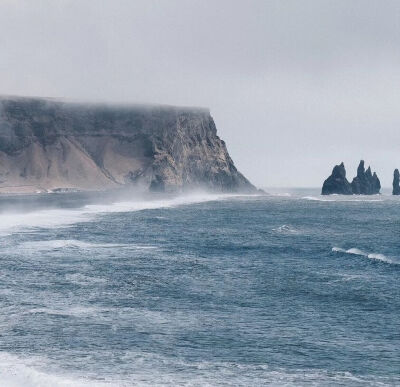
x: 48, y: 144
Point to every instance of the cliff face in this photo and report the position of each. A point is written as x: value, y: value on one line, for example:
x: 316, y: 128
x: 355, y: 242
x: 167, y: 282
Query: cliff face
x: 48, y: 144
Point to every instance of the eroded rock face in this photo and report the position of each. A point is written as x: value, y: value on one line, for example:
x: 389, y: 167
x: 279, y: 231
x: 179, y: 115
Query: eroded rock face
x: 47, y: 144
x: 396, y: 182
x: 337, y: 183
x: 365, y: 183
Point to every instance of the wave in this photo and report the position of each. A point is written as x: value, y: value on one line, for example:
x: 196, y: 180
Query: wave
x: 15, y: 372
x: 374, y: 256
x: 56, y: 244
x: 155, y: 370
x: 340, y: 198
x: 84, y: 280
x: 284, y: 194
x: 52, y: 218
x: 286, y: 229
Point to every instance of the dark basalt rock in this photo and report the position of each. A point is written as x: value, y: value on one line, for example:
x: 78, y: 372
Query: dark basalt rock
x: 337, y: 183
x: 376, y: 184
x: 396, y: 182
x: 365, y: 183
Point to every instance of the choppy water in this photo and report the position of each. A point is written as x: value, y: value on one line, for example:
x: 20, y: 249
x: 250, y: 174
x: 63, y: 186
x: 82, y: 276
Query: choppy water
x: 202, y: 290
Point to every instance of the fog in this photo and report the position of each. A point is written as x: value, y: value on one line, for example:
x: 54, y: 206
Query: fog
x: 294, y: 86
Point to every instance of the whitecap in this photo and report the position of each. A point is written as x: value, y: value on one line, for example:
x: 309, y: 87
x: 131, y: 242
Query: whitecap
x: 85, y: 280
x: 380, y: 257
x: 374, y: 256
x: 342, y: 198
x: 52, y: 218
x: 17, y: 372
x: 286, y: 229
x: 73, y: 311
x: 356, y: 251
x: 284, y: 194
x: 338, y: 249
x: 56, y: 244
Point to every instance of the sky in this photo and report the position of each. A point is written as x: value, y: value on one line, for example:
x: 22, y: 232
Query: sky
x: 294, y: 86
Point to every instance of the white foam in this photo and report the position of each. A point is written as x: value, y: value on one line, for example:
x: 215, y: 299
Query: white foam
x: 341, y: 198
x: 155, y: 370
x: 11, y: 222
x: 17, y: 222
x: 286, y: 229
x: 85, y: 280
x: 15, y: 372
x: 284, y: 194
x: 356, y: 251
x: 56, y: 244
x: 74, y: 311
x: 130, y: 206
x: 380, y: 257
x: 338, y: 249
x: 313, y: 198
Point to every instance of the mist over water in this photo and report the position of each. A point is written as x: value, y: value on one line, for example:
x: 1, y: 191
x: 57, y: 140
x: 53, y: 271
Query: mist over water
x: 286, y: 289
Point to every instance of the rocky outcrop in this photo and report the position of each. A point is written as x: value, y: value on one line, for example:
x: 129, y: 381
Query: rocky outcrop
x: 365, y: 183
x: 337, y: 183
x: 48, y: 144
x: 396, y: 182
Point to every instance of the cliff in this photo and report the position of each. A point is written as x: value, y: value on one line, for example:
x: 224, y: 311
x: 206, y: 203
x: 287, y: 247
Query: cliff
x: 48, y: 144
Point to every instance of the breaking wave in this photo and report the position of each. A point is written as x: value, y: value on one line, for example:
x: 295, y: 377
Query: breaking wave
x: 18, y: 372
x: 356, y: 251
x: 52, y: 218
x: 286, y: 229
x: 340, y: 198
x: 57, y: 244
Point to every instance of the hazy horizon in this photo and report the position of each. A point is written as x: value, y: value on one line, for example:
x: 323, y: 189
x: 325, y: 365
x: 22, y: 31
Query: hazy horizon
x: 294, y: 87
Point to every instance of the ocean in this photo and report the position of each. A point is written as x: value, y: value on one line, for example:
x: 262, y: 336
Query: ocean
x: 288, y: 289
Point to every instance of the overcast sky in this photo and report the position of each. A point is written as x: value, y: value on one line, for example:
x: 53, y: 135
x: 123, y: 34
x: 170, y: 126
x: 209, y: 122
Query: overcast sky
x: 294, y: 86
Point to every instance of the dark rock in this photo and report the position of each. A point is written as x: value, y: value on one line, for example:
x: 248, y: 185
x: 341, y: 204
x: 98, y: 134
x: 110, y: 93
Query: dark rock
x: 337, y: 183
x: 376, y: 184
x: 396, y: 182
x: 47, y: 144
x: 365, y: 183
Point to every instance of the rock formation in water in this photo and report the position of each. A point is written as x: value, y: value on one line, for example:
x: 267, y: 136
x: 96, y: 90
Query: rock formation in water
x: 396, y: 182
x: 365, y: 183
x: 48, y: 144
x: 337, y: 183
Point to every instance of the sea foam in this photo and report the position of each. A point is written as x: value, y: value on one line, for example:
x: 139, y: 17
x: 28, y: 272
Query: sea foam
x: 52, y: 218
x: 57, y: 244
x: 356, y: 251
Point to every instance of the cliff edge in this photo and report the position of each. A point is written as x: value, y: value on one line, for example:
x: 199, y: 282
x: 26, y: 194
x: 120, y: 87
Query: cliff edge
x: 48, y: 144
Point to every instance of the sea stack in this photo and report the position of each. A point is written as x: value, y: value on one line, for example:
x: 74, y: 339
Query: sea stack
x: 396, y: 182
x: 365, y: 183
x: 337, y: 183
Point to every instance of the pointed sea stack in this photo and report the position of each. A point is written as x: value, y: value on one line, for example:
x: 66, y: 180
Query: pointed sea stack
x: 365, y: 183
x: 376, y: 184
x: 337, y: 183
x: 396, y: 182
